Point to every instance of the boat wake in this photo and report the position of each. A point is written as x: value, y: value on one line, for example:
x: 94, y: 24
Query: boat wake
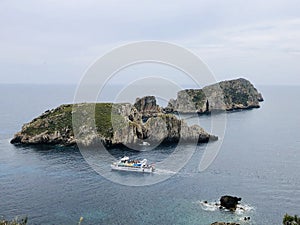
x: 170, y: 172
x: 164, y: 172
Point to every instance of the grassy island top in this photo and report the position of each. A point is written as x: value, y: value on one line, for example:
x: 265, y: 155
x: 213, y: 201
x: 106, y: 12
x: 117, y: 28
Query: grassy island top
x: 60, y: 119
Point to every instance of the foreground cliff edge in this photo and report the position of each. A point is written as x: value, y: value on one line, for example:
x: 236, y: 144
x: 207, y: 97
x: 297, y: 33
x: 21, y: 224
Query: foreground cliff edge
x: 116, y: 124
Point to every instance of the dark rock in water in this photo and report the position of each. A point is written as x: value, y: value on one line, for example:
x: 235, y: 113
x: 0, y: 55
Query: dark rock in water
x: 223, y: 96
x: 224, y: 223
x: 247, y: 218
x: 229, y: 202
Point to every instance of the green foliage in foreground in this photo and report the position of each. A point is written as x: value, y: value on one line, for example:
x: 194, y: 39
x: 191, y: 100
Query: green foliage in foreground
x: 23, y: 221
x: 291, y: 220
x: 15, y: 221
x: 287, y: 220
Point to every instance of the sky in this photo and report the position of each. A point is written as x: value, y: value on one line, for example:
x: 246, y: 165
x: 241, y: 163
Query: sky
x: 55, y: 41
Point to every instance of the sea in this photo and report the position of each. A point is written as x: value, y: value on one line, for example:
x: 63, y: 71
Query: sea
x: 258, y: 159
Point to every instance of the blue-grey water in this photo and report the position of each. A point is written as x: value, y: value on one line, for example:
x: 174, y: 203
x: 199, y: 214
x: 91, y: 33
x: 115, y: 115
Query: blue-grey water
x: 258, y: 161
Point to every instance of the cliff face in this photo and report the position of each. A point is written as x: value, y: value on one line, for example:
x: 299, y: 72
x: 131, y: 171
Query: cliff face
x: 240, y: 94
x: 226, y: 95
x: 112, y: 124
x: 147, y: 106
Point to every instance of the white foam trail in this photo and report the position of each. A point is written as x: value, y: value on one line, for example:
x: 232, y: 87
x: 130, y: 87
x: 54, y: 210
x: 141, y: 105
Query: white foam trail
x: 186, y: 174
x: 164, y: 172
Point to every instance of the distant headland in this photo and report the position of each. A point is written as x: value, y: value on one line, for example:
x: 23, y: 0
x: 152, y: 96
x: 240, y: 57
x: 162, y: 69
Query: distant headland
x: 144, y: 122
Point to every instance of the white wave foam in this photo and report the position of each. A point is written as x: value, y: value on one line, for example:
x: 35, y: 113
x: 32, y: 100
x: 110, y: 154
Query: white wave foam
x: 241, y: 209
x: 213, y: 206
x: 209, y: 206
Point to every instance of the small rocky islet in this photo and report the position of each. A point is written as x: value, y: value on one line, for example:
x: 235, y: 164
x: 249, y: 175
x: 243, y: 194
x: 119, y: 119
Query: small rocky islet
x: 237, y: 94
x: 230, y: 203
x: 117, y: 124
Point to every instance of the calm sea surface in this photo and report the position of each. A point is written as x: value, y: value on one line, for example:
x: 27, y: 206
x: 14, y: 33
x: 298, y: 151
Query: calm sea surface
x: 259, y: 160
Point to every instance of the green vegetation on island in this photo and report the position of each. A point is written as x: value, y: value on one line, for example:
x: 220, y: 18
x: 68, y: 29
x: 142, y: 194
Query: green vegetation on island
x: 111, y: 124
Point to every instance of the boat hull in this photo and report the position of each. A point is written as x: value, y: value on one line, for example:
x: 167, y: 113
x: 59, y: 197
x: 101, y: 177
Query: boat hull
x: 132, y: 169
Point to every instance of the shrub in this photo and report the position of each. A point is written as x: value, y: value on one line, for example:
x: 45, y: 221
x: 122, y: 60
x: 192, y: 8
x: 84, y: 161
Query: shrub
x: 291, y: 220
x: 16, y: 221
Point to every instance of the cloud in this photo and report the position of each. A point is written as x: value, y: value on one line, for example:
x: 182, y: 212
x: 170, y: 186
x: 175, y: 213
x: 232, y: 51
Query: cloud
x: 69, y: 35
x: 277, y: 35
x: 266, y: 52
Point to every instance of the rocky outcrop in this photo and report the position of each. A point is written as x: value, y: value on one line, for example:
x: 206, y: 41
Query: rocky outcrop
x: 223, y: 96
x: 110, y: 124
x: 170, y: 129
x: 229, y: 202
x: 147, y: 106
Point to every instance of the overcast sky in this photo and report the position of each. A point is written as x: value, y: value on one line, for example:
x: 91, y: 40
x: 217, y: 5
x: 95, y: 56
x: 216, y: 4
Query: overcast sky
x: 54, y: 41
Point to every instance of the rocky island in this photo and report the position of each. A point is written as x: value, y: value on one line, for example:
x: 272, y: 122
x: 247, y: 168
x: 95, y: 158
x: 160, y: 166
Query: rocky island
x: 115, y: 124
x: 118, y: 124
x: 223, y: 96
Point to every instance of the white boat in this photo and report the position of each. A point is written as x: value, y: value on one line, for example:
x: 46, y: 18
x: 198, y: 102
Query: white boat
x: 145, y: 143
x: 125, y: 164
